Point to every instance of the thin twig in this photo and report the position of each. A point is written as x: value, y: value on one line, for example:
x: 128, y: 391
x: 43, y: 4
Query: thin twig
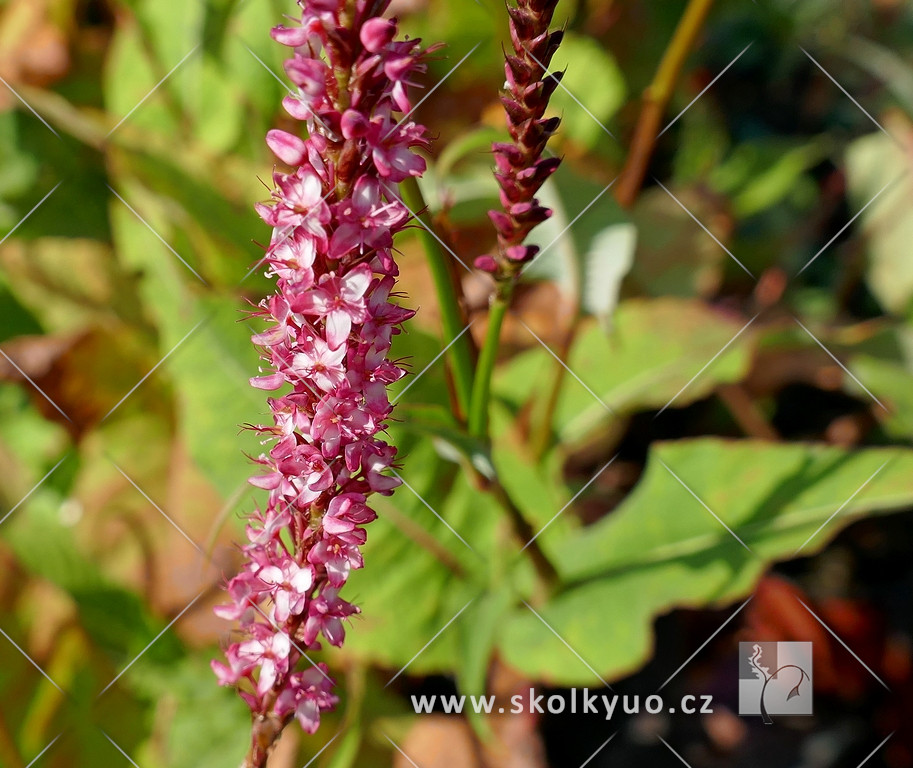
x: 746, y: 412
x: 656, y: 99
x: 8, y: 751
x: 424, y: 539
x: 525, y: 535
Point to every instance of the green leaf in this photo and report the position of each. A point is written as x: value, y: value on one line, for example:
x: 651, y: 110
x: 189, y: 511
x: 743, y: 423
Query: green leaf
x: 610, y: 256
x: 892, y: 383
x: 29, y: 443
x: 346, y: 753
x: 70, y: 283
x: 247, y: 32
x: 593, y: 89
x: 674, y: 256
x: 758, y: 174
x: 477, y: 635
x: 209, y: 230
x: 654, y: 351
x: 407, y: 594
x: 200, y: 724
x: 662, y: 549
x: 461, y: 180
x: 18, y: 168
x: 594, y: 248
x: 537, y: 488
x: 471, y: 147
x: 216, y: 103
x: 702, y: 142
x: 463, y: 27
x: 15, y: 319
x: 210, y: 354
x: 777, y: 179
x: 873, y: 163
x: 419, y: 349
x: 889, y: 66
x: 450, y: 442
x: 131, y: 72
x: 115, y: 618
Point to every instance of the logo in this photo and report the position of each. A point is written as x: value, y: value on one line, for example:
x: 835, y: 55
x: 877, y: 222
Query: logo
x: 775, y: 679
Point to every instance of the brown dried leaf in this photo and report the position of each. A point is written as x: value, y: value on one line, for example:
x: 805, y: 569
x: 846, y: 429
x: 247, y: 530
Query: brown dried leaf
x: 439, y: 741
x: 85, y: 375
x: 33, y: 49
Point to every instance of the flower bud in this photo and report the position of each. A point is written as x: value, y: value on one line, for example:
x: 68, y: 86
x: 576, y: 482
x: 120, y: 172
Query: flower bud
x: 376, y: 34
x: 520, y: 168
x: 288, y: 148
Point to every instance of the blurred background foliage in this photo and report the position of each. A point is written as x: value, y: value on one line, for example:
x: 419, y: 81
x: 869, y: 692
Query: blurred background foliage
x: 737, y: 340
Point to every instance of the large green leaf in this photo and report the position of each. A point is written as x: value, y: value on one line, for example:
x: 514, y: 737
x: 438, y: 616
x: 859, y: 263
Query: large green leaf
x: 19, y: 170
x: 655, y: 350
x: 199, y: 723
x: 674, y: 256
x: 209, y: 353
x: 430, y: 585
x: 477, y: 636
x: 406, y: 592
x: 759, y: 174
x: 662, y: 549
x: 892, y: 383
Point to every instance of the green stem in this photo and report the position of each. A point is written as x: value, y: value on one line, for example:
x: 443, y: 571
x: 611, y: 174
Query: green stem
x: 460, y: 354
x: 478, y: 427
x: 488, y: 355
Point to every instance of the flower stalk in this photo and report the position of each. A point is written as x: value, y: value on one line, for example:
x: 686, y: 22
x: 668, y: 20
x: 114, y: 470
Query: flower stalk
x: 460, y: 351
x: 521, y: 168
x: 329, y: 329
x: 488, y: 356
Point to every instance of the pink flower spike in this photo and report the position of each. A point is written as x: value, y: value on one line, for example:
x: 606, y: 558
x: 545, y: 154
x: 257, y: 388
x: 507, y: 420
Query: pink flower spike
x: 347, y: 511
x: 228, y: 674
x: 308, y: 74
x: 338, y: 420
x: 339, y: 555
x: 245, y: 590
x: 267, y: 482
x: 290, y: 36
x: 391, y: 152
x: 308, y: 694
x: 326, y: 333
x: 354, y: 124
x: 224, y: 674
